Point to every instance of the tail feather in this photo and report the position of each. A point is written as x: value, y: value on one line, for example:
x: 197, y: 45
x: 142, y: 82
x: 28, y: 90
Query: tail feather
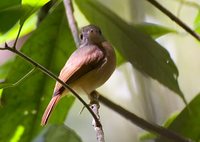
x: 49, y: 109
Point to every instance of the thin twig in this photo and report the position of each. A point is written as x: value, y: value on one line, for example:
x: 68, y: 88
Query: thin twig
x: 19, y: 31
x: 71, y: 21
x: 3, y: 48
x: 142, y: 123
x: 175, y: 19
x: 20, y: 80
x: 50, y: 74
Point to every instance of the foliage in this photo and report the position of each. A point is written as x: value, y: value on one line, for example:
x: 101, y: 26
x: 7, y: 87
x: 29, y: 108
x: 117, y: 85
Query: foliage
x: 56, y: 132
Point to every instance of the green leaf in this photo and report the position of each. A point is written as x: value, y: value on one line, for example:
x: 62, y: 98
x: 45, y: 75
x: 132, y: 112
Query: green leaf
x: 9, y: 17
x: 35, y: 3
x: 18, y: 133
x: 147, y: 136
x: 137, y: 47
x: 58, y: 133
x: 28, y: 26
x: 153, y: 30
x: 10, y: 12
x: 17, y: 11
x: 5, y: 68
x: 4, y: 4
x: 187, y: 122
x: 1, y: 90
x: 50, y: 45
x: 197, y: 23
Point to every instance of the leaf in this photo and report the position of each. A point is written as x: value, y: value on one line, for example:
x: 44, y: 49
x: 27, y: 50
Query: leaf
x: 8, y: 3
x: 50, y: 45
x: 35, y: 3
x: 18, y: 133
x: 58, y: 133
x: 153, y: 30
x: 10, y: 12
x: 187, y: 122
x: 137, y: 47
x: 9, y: 17
x: 197, y: 23
x: 17, y: 11
x: 5, y: 68
x: 1, y: 90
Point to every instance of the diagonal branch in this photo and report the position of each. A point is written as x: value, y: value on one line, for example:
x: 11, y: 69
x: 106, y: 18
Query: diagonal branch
x: 50, y: 74
x: 175, y: 19
x: 143, y: 123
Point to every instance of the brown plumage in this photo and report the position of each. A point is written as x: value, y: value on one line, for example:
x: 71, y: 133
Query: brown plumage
x: 87, y: 68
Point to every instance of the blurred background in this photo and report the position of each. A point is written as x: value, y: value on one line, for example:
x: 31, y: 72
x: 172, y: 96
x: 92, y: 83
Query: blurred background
x: 133, y: 90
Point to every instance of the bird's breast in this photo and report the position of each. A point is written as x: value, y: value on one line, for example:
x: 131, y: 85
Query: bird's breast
x: 98, y: 76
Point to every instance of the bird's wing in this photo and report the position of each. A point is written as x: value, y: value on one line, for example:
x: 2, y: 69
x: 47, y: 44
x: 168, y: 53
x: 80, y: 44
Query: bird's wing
x: 82, y: 61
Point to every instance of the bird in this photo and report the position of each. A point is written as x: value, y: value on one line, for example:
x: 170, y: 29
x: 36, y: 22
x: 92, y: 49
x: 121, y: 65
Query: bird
x: 88, y: 67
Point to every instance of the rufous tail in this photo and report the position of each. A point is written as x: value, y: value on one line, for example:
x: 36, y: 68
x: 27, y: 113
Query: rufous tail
x: 49, y: 109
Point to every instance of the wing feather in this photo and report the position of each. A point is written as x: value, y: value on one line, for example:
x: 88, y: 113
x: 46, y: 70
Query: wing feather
x: 83, y: 60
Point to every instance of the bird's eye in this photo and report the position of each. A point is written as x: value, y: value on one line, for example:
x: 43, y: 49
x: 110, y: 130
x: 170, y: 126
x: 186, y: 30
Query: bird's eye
x: 81, y: 36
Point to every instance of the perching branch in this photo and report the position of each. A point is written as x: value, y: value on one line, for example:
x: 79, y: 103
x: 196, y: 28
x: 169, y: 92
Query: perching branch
x: 94, y: 104
x: 175, y: 19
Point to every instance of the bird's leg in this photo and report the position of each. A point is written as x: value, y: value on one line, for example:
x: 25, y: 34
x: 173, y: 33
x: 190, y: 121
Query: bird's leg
x: 93, y: 97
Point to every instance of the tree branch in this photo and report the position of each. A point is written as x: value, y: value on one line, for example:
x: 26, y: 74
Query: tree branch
x: 94, y: 105
x: 71, y: 21
x: 142, y: 123
x: 175, y: 19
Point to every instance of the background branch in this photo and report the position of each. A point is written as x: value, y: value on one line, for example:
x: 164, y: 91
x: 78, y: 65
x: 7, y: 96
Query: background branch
x: 71, y: 20
x: 143, y: 123
x: 175, y: 19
